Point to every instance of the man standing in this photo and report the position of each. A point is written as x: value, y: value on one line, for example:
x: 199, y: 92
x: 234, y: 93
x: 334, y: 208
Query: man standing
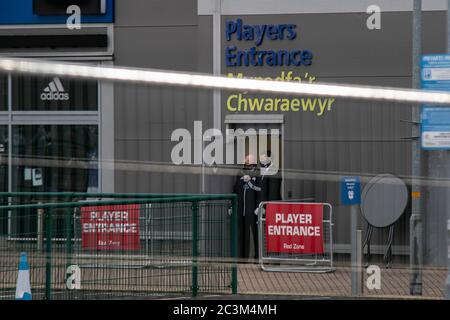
x: 246, y: 188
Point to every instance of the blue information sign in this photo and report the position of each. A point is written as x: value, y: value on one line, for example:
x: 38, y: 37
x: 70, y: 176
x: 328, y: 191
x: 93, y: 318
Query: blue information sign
x: 435, y: 121
x: 350, y: 191
x: 436, y: 72
x: 435, y: 124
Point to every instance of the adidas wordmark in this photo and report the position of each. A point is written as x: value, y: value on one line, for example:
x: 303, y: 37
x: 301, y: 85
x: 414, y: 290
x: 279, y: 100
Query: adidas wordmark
x: 54, y: 91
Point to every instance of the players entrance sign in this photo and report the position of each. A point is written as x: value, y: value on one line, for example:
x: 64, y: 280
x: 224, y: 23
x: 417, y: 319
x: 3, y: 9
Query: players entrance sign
x: 294, y: 228
x: 110, y: 227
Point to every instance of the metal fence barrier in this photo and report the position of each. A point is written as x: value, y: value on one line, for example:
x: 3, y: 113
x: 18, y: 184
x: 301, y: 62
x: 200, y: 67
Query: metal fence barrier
x: 295, y: 261
x: 137, y: 247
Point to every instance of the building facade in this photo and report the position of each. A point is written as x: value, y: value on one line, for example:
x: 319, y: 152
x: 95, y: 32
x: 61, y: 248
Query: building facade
x: 124, y: 131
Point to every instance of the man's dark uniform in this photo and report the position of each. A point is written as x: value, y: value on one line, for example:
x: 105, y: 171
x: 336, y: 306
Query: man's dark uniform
x: 269, y: 180
x: 246, y: 189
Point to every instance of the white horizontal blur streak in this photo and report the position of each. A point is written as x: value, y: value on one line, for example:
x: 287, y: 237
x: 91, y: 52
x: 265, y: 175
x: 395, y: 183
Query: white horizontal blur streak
x: 151, y: 76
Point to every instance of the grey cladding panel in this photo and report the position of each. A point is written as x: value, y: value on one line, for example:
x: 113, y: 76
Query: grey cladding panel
x: 171, y: 48
x: 155, y: 12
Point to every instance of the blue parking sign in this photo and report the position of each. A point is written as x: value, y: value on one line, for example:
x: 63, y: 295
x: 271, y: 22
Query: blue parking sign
x: 435, y: 121
x: 350, y: 191
x: 436, y: 72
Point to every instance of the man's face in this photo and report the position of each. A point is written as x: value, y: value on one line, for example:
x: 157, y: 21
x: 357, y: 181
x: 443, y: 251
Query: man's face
x: 250, y: 162
x: 264, y: 159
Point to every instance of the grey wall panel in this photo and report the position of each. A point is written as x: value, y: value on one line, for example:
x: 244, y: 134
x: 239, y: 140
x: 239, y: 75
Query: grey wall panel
x: 172, y: 48
x: 146, y: 118
x: 142, y: 168
x: 205, y: 49
x: 257, y: 7
x: 131, y: 13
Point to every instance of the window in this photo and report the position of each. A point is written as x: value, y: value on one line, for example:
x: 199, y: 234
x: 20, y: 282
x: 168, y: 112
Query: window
x: 53, y: 144
x: 3, y: 93
x: 53, y: 94
x: 55, y: 158
x: 3, y: 174
x: 3, y: 158
x: 51, y: 158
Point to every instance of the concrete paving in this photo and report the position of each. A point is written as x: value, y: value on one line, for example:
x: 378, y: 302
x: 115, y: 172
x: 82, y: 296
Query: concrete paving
x: 394, y: 283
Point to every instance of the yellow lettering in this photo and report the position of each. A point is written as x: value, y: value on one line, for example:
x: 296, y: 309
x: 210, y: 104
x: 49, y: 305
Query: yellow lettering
x: 284, y: 105
x: 242, y: 101
x: 322, y: 105
x: 295, y: 104
x: 269, y: 105
x: 308, y: 104
x: 330, y: 103
x: 255, y: 104
x: 277, y: 101
x: 229, y: 107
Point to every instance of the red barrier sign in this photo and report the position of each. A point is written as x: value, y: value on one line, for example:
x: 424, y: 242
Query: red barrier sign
x: 110, y: 227
x: 294, y: 228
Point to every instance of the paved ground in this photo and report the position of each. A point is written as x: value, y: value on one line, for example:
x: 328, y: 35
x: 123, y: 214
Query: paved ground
x: 252, y: 281
x: 394, y: 283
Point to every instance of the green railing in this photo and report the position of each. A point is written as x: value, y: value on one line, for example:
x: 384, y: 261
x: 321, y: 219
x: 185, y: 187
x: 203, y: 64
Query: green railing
x: 186, y: 244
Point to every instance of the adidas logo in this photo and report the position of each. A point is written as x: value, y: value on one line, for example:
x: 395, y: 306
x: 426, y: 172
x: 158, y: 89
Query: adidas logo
x: 54, y: 91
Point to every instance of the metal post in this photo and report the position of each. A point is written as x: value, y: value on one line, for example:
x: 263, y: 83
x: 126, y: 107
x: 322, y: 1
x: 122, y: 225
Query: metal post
x: 355, y: 269
x: 217, y: 61
x: 234, y: 244
x: 359, y: 262
x: 448, y: 257
x: 416, y: 216
x: 146, y: 222
x: 40, y: 229
x: 48, y: 264
x: 448, y: 187
x: 194, y: 248
x: 217, y: 71
x: 69, y: 235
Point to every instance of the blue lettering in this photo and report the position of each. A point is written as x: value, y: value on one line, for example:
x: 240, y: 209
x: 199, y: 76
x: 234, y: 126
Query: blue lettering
x: 283, y: 58
x: 271, y: 59
x: 261, y: 55
x: 292, y: 34
x: 248, y: 33
x: 253, y: 56
x: 272, y: 32
x: 307, y: 57
x: 294, y: 60
x: 242, y: 56
x: 239, y: 29
x: 260, y: 32
x: 230, y: 29
x: 230, y: 56
x: 281, y: 29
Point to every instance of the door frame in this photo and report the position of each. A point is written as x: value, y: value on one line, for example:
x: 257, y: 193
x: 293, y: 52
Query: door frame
x: 261, y: 119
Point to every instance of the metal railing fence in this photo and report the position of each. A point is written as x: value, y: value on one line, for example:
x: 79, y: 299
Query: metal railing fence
x: 135, y: 245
